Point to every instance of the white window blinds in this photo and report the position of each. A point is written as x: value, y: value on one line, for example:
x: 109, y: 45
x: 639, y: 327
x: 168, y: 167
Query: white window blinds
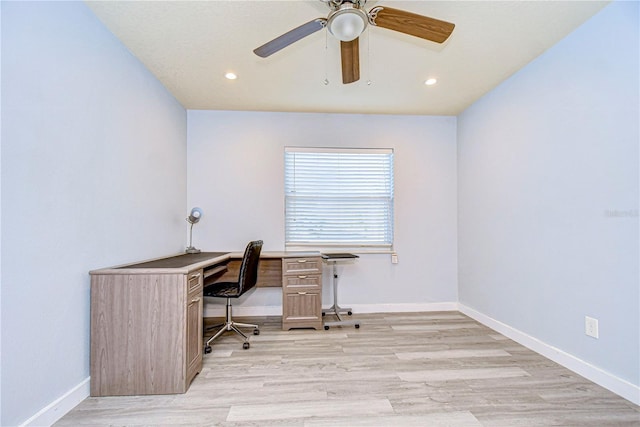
x: 338, y: 197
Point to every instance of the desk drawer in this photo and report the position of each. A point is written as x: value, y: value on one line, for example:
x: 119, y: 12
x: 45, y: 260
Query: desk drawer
x: 194, y: 281
x: 302, y: 310
x: 295, y: 266
x: 301, y: 282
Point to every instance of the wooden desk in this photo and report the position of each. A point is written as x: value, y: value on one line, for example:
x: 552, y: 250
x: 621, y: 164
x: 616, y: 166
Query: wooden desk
x: 146, y: 325
x: 146, y: 317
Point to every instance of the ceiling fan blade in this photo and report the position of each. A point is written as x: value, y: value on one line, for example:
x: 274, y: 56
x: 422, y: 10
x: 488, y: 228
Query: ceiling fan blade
x: 350, y: 54
x: 410, y: 23
x: 290, y: 37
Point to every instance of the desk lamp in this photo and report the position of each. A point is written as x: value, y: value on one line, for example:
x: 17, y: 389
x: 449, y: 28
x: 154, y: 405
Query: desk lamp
x: 193, y: 218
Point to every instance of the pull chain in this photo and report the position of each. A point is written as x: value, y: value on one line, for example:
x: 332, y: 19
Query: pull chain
x: 326, y: 72
x: 368, y: 58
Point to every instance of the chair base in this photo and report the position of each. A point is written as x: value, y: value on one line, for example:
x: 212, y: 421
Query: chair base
x: 230, y: 325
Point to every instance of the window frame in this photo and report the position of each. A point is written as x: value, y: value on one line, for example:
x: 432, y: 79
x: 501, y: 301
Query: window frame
x: 388, y: 211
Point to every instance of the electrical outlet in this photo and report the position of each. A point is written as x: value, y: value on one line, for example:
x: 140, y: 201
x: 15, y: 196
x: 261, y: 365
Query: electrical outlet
x: 591, y: 326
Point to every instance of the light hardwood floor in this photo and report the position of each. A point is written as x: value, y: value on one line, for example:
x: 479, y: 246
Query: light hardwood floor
x: 404, y: 369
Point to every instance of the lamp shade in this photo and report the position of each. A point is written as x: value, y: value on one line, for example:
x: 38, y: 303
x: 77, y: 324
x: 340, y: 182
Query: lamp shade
x: 347, y: 24
x: 195, y: 215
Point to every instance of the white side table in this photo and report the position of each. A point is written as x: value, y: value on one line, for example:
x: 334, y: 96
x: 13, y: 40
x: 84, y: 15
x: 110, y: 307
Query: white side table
x: 336, y: 310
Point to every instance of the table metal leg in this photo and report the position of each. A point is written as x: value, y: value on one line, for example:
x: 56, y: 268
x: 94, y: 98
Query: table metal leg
x: 335, y: 309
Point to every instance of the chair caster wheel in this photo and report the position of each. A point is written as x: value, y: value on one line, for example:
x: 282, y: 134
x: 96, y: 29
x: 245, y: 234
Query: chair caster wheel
x: 349, y: 313
x: 326, y: 328
x: 256, y: 332
x: 357, y: 326
x: 245, y: 345
x: 207, y: 349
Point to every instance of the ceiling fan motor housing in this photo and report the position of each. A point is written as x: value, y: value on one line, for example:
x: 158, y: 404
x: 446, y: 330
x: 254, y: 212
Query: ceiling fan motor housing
x: 347, y: 22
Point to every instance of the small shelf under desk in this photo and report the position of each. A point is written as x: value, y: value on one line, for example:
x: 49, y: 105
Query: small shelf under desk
x: 212, y: 271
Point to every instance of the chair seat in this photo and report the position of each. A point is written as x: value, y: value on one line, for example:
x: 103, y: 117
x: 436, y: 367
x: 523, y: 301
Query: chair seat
x: 222, y: 290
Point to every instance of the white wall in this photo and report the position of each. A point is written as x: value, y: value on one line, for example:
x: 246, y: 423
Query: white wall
x: 93, y: 174
x: 235, y: 173
x: 548, y: 196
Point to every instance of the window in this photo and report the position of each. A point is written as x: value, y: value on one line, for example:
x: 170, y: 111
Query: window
x: 338, y: 197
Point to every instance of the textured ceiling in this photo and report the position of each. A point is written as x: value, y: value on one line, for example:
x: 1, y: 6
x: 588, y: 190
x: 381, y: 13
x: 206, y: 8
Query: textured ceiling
x: 190, y: 45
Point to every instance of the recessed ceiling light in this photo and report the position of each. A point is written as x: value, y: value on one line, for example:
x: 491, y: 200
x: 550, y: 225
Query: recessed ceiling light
x: 431, y: 82
x: 231, y: 76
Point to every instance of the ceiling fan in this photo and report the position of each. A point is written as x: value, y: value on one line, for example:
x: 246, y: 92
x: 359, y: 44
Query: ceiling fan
x: 348, y: 19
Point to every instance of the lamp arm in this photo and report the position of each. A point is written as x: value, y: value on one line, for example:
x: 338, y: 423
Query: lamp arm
x: 190, y: 234
x: 191, y: 219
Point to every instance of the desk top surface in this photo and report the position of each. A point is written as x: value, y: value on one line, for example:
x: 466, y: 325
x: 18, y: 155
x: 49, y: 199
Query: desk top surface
x: 185, y: 263
x: 178, y: 261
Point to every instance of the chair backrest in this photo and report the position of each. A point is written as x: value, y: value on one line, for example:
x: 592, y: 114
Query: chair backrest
x: 249, y: 266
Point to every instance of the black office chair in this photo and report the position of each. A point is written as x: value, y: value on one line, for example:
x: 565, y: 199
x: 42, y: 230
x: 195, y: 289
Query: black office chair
x: 246, y: 281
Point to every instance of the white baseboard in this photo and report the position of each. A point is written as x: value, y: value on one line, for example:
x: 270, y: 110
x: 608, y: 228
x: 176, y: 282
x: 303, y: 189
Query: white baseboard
x: 605, y: 379
x: 404, y: 308
x: 212, y: 310
x: 59, y: 407
x: 218, y: 310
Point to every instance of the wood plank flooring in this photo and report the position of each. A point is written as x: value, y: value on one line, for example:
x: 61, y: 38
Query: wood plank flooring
x: 404, y: 369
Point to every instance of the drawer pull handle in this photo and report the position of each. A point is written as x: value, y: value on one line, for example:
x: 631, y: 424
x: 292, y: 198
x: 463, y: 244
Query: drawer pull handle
x: 195, y: 300
x: 302, y: 293
x: 302, y: 277
x: 302, y: 261
x: 195, y: 276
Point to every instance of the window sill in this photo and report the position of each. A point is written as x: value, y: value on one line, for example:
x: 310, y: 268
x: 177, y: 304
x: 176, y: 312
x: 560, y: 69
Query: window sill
x: 338, y: 249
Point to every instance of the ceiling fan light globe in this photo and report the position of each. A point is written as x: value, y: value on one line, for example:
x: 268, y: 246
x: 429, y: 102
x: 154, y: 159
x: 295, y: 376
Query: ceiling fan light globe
x: 347, y: 25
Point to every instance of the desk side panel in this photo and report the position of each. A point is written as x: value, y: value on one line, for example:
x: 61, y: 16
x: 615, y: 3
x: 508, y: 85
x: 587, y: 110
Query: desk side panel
x: 137, y: 334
